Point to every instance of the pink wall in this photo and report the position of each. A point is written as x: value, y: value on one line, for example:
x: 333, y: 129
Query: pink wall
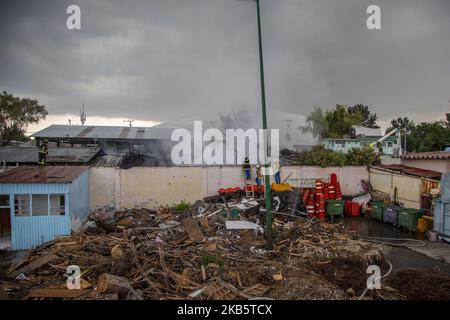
x: 435, y: 165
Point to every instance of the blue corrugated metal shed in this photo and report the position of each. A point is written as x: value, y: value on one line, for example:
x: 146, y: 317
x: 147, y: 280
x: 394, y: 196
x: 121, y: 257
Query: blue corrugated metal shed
x: 45, y: 202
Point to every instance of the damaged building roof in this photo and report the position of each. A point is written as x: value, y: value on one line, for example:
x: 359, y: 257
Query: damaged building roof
x: 103, y: 132
x: 52, y: 174
x: 429, y: 174
x: 27, y: 155
x: 435, y: 155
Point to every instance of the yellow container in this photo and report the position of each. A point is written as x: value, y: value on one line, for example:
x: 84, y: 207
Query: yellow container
x: 281, y: 187
x: 424, y: 224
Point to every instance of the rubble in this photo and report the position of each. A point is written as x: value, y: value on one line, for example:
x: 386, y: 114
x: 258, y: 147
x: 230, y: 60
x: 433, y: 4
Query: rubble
x: 144, y: 254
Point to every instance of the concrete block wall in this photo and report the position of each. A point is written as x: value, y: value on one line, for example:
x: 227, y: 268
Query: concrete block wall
x: 152, y: 187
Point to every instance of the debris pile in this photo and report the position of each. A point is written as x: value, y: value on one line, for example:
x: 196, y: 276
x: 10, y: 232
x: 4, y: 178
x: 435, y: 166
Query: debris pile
x: 211, y: 251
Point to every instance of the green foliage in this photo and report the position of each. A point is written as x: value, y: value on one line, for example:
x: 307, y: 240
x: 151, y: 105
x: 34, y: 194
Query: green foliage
x: 340, y: 122
x: 16, y: 114
x: 323, y: 157
x: 181, y: 206
x: 212, y: 258
x: 423, y: 137
x: 362, y: 157
x: 401, y: 123
x: 331, y: 123
x: 429, y: 136
x: 369, y: 119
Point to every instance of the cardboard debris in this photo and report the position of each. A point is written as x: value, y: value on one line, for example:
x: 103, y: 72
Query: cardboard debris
x: 242, y: 225
x: 165, y: 256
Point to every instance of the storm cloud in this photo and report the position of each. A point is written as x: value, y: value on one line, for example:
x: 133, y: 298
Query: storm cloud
x: 161, y: 60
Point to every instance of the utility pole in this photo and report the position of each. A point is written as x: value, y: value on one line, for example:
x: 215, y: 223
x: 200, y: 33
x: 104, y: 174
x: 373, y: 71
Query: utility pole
x: 129, y: 122
x: 269, y: 243
x: 82, y: 116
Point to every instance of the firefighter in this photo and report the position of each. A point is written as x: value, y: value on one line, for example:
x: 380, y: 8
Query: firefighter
x: 258, y: 178
x: 380, y: 147
x: 43, y: 152
x: 276, y: 169
x: 246, y: 167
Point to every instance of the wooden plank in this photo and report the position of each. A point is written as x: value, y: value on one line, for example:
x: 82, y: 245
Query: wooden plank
x: 57, y: 293
x: 3, y: 294
x: 36, y: 264
x: 193, y: 230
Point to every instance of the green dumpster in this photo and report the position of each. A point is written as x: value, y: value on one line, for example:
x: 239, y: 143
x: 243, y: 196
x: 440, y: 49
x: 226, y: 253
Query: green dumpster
x: 378, y: 209
x: 408, y: 218
x: 335, y: 207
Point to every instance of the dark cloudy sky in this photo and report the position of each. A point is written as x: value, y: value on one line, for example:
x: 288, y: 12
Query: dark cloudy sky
x: 159, y: 60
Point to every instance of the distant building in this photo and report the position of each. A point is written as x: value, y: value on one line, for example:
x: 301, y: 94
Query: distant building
x: 437, y: 161
x: 16, y: 156
x: 390, y: 145
x: 120, y: 142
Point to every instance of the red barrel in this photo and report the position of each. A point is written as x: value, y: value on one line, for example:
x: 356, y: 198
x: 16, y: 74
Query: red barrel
x: 334, y: 179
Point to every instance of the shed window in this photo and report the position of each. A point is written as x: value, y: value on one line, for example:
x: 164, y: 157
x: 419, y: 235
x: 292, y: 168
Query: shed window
x: 40, y: 204
x: 339, y: 144
x: 22, y: 204
x: 57, y: 205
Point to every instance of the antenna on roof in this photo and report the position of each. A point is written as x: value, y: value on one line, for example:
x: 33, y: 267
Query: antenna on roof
x: 82, y: 116
x: 129, y: 122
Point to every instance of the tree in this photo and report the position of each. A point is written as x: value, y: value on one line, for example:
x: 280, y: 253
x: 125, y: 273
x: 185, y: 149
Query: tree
x: 401, y: 123
x: 323, y: 157
x: 369, y: 119
x: 429, y: 136
x: 340, y: 122
x: 334, y: 123
x: 316, y: 124
x: 15, y: 116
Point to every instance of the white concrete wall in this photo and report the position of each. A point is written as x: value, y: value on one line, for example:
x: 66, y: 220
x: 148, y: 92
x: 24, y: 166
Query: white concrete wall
x: 152, y: 187
x: 408, y: 187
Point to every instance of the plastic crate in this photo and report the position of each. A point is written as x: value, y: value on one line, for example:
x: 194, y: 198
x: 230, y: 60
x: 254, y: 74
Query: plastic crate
x: 335, y: 207
x: 390, y: 214
x: 377, y: 210
x: 408, y: 218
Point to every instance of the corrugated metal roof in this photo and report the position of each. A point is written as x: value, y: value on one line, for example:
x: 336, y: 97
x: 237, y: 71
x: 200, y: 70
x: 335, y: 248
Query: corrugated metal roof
x: 108, y: 161
x: 52, y: 174
x: 103, y: 132
x: 440, y: 155
x: 430, y: 174
x: 55, y: 155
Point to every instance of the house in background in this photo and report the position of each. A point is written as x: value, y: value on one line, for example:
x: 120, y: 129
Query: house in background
x: 42, y: 203
x: 361, y: 137
x: 390, y: 145
x: 437, y: 161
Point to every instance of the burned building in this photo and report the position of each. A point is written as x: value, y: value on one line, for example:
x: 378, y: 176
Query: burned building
x: 149, y: 146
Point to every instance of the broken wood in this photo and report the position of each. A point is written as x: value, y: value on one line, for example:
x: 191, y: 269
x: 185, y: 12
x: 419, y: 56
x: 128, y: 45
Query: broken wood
x: 193, y: 230
x: 3, y: 294
x: 108, y: 283
x: 36, y: 264
x: 116, y: 252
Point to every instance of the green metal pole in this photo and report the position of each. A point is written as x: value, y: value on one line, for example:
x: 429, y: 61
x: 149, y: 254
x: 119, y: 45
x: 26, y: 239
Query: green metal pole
x: 269, y: 242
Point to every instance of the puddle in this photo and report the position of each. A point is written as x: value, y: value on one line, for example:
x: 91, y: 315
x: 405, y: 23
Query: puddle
x: 372, y: 228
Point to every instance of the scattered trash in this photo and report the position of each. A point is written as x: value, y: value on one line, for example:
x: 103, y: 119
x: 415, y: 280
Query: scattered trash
x: 198, y: 254
x: 242, y: 225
